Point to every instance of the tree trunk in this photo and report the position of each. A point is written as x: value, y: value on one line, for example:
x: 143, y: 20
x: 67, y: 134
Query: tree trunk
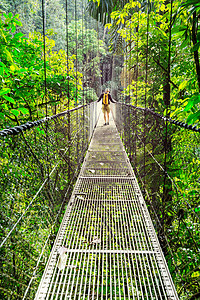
x: 166, y: 92
x: 196, y: 54
x: 104, y: 33
x: 167, y: 185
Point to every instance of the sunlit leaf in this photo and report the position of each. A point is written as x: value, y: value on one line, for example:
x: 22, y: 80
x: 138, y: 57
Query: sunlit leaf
x: 193, y: 117
x: 15, y: 112
x: 9, y: 99
x: 4, y: 91
x: 183, y: 85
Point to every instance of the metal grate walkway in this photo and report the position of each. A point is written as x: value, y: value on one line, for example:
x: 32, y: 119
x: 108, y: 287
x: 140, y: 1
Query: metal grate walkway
x: 111, y: 248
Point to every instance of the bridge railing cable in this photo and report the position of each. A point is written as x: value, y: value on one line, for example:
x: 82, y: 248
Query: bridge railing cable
x: 178, y: 228
x: 34, y: 192
x: 175, y: 122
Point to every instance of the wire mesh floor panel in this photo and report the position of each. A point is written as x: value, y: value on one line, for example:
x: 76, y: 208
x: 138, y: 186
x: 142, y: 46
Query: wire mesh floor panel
x: 108, y: 276
x: 105, y: 172
x: 110, y: 222
x: 96, y: 147
x: 105, y: 156
x: 107, y: 188
x: 111, y: 248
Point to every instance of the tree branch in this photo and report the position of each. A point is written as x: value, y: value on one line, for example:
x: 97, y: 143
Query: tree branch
x: 176, y: 86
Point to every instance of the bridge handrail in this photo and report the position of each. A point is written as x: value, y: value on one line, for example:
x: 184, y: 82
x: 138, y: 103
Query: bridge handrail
x: 175, y: 122
x: 23, y: 127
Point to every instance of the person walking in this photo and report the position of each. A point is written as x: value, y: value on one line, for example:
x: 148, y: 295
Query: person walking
x: 106, y: 98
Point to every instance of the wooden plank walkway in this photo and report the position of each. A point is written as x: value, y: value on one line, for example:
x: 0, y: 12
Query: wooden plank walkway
x: 106, y: 247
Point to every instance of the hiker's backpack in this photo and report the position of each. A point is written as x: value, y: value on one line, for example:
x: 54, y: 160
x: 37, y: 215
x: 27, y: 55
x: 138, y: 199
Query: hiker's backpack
x: 105, y: 98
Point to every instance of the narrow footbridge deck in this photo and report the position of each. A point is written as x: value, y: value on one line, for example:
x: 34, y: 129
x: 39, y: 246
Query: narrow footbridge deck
x: 106, y: 247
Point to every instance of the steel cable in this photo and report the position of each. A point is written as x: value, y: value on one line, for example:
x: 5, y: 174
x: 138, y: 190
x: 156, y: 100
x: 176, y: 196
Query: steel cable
x: 175, y: 122
x: 23, y: 127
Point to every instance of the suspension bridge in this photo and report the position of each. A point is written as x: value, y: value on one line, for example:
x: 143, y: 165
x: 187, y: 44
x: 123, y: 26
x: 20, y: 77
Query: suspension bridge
x: 106, y: 247
x: 89, y: 211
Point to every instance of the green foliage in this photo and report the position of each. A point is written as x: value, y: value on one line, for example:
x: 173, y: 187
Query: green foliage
x: 22, y: 90
x: 131, y: 23
x: 163, y: 74
x: 84, y: 43
x: 74, y: 79
x: 89, y: 95
x: 101, y: 9
x: 27, y: 159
